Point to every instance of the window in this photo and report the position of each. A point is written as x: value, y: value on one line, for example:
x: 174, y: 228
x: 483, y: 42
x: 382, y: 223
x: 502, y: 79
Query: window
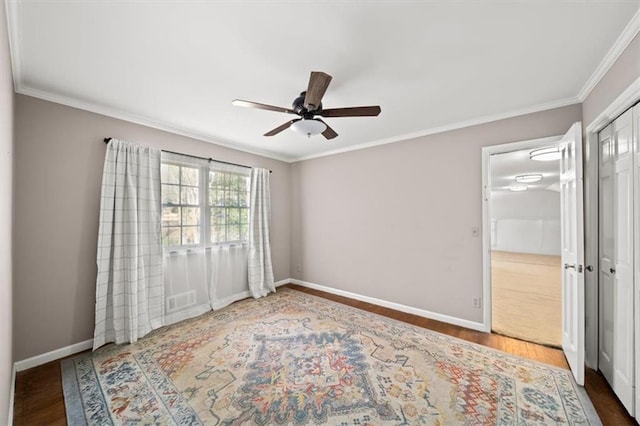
x: 229, y: 207
x: 202, y: 207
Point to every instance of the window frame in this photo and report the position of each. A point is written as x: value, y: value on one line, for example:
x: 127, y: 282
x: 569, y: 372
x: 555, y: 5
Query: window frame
x: 205, y: 206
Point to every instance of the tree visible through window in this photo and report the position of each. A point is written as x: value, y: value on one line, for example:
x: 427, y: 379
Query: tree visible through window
x: 203, y: 207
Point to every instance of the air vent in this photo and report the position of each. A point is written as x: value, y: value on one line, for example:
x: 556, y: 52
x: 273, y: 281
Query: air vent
x: 181, y: 301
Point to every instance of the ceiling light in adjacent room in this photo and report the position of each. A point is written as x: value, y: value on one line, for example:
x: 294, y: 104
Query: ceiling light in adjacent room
x: 545, y: 154
x: 309, y: 127
x: 529, y: 178
x: 518, y: 188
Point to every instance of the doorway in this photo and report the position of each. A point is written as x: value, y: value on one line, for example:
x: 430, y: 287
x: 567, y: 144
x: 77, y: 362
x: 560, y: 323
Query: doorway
x: 524, y: 212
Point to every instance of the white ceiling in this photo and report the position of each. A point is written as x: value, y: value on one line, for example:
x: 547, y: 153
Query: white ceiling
x: 505, y: 167
x: 430, y: 65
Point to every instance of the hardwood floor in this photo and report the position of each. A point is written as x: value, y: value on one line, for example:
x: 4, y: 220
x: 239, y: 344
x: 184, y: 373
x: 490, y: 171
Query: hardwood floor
x: 39, y: 400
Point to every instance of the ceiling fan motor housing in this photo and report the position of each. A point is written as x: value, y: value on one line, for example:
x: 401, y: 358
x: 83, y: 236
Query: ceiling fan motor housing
x: 301, y: 110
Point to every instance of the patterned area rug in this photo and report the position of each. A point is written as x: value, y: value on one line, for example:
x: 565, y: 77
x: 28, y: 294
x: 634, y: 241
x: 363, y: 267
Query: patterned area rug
x: 292, y: 358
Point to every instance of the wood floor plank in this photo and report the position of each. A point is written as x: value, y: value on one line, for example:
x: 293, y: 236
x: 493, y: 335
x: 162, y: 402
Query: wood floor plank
x: 39, y: 399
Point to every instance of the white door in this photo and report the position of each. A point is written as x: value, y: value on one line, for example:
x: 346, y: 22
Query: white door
x: 616, y: 263
x: 572, y: 244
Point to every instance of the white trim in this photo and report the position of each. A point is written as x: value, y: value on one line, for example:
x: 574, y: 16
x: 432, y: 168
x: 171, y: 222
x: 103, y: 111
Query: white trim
x: 282, y: 282
x: 144, y: 121
x: 12, y: 390
x: 487, y: 151
x: 12, y: 11
x: 56, y: 354
x: 621, y: 43
x: 625, y: 100
x: 449, y: 127
x: 397, y: 306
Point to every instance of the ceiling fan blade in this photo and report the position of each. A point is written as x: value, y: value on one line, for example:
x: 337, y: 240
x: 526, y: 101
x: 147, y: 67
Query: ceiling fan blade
x: 318, y: 83
x: 362, y: 111
x: 279, y: 129
x: 328, y: 133
x: 249, y: 104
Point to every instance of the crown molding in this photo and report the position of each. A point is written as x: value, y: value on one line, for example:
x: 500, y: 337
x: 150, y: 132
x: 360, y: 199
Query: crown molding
x: 12, y: 11
x: 448, y: 127
x: 625, y: 38
x: 144, y: 121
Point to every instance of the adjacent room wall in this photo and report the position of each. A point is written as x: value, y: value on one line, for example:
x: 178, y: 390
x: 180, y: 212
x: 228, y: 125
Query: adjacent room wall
x: 395, y: 221
x: 6, y: 217
x: 59, y: 158
x: 525, y: 222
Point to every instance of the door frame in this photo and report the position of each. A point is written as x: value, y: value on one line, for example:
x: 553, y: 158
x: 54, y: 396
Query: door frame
x: 487, y: 151
x: 591, y: 175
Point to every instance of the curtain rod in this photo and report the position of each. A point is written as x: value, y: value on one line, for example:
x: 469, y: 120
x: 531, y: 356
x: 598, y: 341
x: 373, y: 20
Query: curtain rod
x: 107, y: 140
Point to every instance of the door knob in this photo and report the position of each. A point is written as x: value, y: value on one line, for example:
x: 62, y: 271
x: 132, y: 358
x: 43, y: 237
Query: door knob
x: 567, y: 266
x: 589, y: 268
x: 612, y: 270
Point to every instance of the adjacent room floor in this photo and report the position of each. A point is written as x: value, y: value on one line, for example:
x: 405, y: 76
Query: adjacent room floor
x: 526, y: 297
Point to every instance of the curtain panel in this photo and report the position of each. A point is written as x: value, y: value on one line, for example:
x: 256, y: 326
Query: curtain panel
x: 129, y: 283
x: 261, y: 280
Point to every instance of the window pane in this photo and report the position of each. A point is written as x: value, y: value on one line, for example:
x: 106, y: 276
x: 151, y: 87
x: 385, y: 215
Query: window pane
x: 170, y: 194
x: 244, y: 215
x: 216, y: 180
x: 189, y: 195
x: 190, y: 235
x: 170, y: 236
x: 243, y: 184
x: 216, y: 197
x: 243, y: 199
x: 231, y: 198
x: 217, y: 216
x: 190, y: 216
x: 233, y: 232
x: 170, y: 216
x: 244, y: 232
x: 233, y: 216
x: 190, y: 176
x: 218, y: 234
x: 170, y: 173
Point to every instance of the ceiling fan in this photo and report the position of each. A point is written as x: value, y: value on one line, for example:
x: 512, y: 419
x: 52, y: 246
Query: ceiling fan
x: 308, y: 106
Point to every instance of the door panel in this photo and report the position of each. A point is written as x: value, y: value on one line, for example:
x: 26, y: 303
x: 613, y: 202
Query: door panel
x: 606, y: 239
x: 572, y: 245
x: 616, y: 352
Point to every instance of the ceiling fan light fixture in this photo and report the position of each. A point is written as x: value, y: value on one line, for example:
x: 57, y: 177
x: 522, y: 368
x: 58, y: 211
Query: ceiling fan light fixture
x: 551, y: 153
x: 530, y: 178
x: 309, y: 127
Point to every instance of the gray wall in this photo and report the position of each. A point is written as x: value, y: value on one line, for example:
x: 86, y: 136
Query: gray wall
x: 58, y: 170
x: 394, y: 222
x: 6, y: 214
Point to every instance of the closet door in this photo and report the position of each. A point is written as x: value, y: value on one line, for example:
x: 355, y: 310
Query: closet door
x: 616, y: 263
x: 636, y: 233
x: 606, y: 253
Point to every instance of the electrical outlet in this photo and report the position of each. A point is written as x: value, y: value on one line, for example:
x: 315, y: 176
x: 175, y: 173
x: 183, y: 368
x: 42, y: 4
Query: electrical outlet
x: 476, y: 302
x: 298, y: 268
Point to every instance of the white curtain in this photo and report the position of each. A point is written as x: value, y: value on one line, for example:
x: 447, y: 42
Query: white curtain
x: 260, y: 268
x: 185, y: 284
x: 129, y: 284
x: 228, y: 274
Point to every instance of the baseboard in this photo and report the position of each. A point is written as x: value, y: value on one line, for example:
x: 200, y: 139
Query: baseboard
x: 392, y: 305
x: 12, y: 394
x: 37, y: 360
x: 282, y: 282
